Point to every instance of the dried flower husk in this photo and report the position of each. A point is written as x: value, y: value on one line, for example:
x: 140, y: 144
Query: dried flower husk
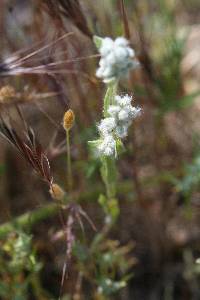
x: 68, y: 119
x: 56, y: 192
x: 7, y: 92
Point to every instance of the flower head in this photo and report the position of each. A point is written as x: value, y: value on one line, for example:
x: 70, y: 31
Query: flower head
x: 117, y: 58
x: 106, y: 126
x: 123, y: 113
x: 115, y: 126
x: 107, y: 146
x: 68, y: 119
x: 7, y: 93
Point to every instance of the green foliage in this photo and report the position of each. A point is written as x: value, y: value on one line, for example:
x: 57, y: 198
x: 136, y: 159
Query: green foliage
x: 109, y: 175
x: 109, y: 97
x: 191, y: 180
x: 93, y: 146
x: 167, y: 50
x: 113, y: 259
x: 92, y: 168
x: 108, y: 287
x: 104, y: 265
x: 18, y: 267
x: 169, y: 81
x: 110, y: 207
x: 98, y: 41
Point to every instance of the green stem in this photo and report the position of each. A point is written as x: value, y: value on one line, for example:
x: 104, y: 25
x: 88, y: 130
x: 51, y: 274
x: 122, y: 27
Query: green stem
x: 109, y: 97
x: 108, y: 169
x: 109, y: 176
x: 108, y: 164
x: 69, y: 168
x: 29, y: 219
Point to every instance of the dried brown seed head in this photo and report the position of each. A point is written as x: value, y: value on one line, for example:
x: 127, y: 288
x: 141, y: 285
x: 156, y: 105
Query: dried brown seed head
x: 7, y: 92
x: 68, y: 119
x: 57, y: 192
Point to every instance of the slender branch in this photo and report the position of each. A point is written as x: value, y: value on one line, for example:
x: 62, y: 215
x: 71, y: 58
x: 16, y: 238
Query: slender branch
x: 29, y: 219
x: 69, y: 168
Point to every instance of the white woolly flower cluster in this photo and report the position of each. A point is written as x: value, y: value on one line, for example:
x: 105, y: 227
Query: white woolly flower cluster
x: 116, y: 59
x: 121, y: 115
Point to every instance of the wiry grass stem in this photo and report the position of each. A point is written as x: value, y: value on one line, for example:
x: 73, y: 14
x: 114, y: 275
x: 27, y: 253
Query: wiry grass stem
x: 69, y: 165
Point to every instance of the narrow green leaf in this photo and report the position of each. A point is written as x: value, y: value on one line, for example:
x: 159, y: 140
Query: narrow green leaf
x: 109, y: 97
x: 109, y: 175
x: 98, y: 41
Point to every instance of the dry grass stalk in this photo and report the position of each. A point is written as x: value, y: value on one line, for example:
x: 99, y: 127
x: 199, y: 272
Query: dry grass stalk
x: 29, y: 148
x: 70, y: 9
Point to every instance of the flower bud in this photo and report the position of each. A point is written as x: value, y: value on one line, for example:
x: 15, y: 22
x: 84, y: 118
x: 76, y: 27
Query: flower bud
x: 56, y: 192
x: 68, y: 119
x: 7, y: 92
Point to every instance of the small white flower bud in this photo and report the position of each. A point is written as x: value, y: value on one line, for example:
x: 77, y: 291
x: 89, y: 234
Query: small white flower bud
x: 113, y: 110
x: 121, y: 41
x: 123, y: 115
x: 123, y: 101
x: 135, y: 111
x: 107, y: 46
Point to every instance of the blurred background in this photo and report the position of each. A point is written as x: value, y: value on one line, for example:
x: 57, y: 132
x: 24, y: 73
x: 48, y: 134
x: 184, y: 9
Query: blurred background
x: 41, y: 76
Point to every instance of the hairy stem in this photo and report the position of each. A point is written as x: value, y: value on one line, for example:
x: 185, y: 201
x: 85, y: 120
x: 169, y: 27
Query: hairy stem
x: 108, y: 168
x: 108, y: 164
